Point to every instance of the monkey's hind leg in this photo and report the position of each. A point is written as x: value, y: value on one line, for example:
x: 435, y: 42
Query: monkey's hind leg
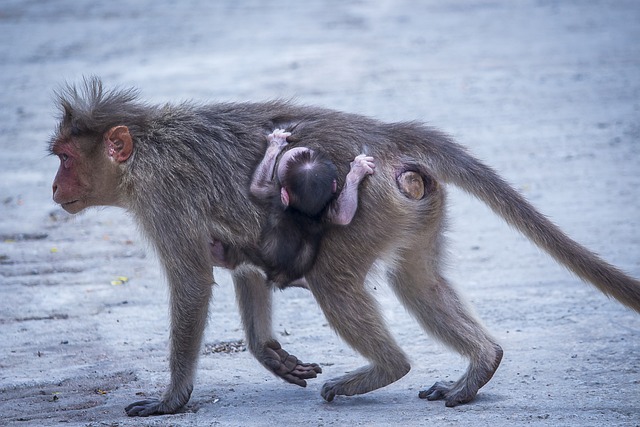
x: 440, y: 311
x: 354, y: 315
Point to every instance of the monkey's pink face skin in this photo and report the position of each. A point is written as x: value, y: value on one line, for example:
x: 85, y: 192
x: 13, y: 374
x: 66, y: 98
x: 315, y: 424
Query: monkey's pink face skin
x: 72, y: 184
x: 67, y: 186
x: 85, y: 180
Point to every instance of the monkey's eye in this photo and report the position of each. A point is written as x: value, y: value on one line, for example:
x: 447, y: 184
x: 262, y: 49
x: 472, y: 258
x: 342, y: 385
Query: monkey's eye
x: 64, y: 159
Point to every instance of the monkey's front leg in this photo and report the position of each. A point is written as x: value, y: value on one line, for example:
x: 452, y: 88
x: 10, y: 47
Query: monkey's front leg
x: 255, y: 300
x: 190, y: 291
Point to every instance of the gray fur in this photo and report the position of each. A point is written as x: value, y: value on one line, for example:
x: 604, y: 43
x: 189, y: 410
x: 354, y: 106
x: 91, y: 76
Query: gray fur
x: 187, y: 184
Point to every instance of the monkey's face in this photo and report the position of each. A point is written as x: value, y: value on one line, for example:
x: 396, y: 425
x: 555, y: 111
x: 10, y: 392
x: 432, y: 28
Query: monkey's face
x: 69, y: 185
x: 89, y: 173
x: 82, y: 180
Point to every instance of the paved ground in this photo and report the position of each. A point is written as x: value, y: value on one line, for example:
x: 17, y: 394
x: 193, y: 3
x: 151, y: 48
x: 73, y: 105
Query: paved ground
x: 548, y: 92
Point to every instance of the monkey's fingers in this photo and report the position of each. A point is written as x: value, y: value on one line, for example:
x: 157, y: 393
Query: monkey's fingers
x: 278, y: 137
x: 294, y: 370
x: 307, y: 370
x: 287, y: 373
x: 298, y: 376
x: 362, y: 159
x: 369, y: 167
x: 363, y: 165
x: 287, y: 366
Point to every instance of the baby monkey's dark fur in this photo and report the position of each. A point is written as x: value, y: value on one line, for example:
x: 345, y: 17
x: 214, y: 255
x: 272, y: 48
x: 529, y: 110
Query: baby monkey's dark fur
x: 310, y: 182
x: 184, y: 172
x: 299, y: 191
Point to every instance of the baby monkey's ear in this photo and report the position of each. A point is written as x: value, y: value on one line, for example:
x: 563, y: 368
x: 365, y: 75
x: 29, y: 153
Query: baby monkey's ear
x: 284, y: 196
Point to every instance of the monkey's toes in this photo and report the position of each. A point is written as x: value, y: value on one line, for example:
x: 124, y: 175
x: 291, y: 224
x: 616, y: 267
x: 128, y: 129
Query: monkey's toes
x: 453, y: 396
x: 342, y: 386
x: 329, y: 391
x: 144, y: 408
x: 438, y: 391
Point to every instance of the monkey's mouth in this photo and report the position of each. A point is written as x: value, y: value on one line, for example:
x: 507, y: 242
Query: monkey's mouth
x: 72, y: 207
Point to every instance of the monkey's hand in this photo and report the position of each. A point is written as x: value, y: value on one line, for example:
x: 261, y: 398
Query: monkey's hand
x: 278, y: 138
x: 361, y: 166
x: 287, y: 366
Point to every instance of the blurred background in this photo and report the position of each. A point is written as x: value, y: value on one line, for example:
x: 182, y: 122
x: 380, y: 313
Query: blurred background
x: 547, y: 92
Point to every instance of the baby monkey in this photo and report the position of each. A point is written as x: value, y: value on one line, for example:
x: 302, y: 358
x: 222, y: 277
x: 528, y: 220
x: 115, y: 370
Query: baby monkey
x: 299, y: 188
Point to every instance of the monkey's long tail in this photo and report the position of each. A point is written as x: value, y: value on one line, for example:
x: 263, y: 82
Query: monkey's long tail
x: 451, y: 163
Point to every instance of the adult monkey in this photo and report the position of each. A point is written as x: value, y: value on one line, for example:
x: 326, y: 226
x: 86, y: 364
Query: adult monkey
x: 184, y: 172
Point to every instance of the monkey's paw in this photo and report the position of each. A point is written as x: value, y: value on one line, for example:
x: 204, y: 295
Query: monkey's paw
x: 171, y: 403
x: 331, y: 389
x: 144, y: 408
x: 287, y: 366
x: 448, y: 392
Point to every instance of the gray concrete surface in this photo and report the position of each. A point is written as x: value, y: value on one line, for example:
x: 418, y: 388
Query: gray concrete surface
x: 547, y: 92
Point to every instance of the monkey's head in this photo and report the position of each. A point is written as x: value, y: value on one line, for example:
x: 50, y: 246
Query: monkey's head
x: 308, y: 180
x: 90, y: 148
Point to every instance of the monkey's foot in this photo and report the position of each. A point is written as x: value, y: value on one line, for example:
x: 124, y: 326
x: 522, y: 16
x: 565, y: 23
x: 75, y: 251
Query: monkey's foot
x: 362, y: 381
x: 338, y: 387
x: 172, y: 401
x: 144, y: 408
x: 449, y: 392
x: 287, y: 366
x: 466, y: 388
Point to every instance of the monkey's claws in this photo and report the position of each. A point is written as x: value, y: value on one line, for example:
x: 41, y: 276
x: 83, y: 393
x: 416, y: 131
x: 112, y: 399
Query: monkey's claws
x: 287, y: 366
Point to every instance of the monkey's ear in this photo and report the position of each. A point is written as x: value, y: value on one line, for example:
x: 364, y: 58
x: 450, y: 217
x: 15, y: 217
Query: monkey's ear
x: 284, y: 196
x: 334, y: 187
x: 119, y: 143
